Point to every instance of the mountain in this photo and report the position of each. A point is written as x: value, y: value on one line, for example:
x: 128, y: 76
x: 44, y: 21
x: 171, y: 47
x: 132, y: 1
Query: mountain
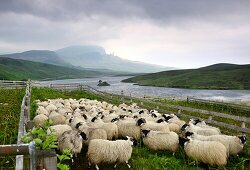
x: 42, y: 56
x: 218, y: 76
x: 95, y: 57
x: 18, y: 69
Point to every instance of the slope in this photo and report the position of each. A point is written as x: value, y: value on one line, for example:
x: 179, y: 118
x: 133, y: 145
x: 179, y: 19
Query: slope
x: 218, y: 76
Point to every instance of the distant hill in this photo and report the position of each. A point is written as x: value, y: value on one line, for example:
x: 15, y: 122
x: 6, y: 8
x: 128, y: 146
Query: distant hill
x: 18, y: 69
x: 42, y: 56
x: 95, y: 57
x: 218, y: 76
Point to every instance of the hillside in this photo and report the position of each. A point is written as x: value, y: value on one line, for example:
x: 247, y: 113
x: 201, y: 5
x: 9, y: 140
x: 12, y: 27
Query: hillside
x: 218, y: 76
x: 17, y: 69
x: 95, y: 57
x: 42, y: 56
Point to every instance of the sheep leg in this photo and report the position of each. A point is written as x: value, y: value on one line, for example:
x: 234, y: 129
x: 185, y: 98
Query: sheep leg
x: 96, y: 167
x: 128, y: 165
x: 89, y: 165
x: 115, y: 165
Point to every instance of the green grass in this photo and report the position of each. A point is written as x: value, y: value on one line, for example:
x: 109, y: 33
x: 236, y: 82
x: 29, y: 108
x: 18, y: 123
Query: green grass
x: 16, y: 69
x: 10, y: 107
x: 142, y: 158
x: 218, y: 76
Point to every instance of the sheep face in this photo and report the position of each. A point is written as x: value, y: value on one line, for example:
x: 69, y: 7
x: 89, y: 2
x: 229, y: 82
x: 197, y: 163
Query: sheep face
x: 196, y: 121
x: 144, y: 132
x: 160, y: 121
x: 94, y: 119
x: 130, y: 139
x: 84, y: 136
x: 114, y: 120
x: 243, y: 139
x: 140, y: 122
x: 183, y: 141
x: 85, y: 116
x: 184, y: 126
x: 122, y: 116
x: 187, y: 134
x: 166, y: 117
x: 78, y: 125
x: 141, y: 111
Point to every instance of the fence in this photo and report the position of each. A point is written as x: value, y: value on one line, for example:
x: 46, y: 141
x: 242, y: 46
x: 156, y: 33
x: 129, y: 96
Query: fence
x: 26, y: 154
x: 12, y: 84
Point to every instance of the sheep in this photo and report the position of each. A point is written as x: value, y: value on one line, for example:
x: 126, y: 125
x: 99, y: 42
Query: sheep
x: 209, y: 152
x: 39, y: 120
x: 156, y: 126
x: 104, y: 151
x: 42, y: 110
x: 51, y: 108
x: 58, y: 129
x: 234, y: 144
x: 202, y: 123
x: 156, y: 140
x: 201, y: 131
x: 94, y: 133
x: 110, y: 128
x: 172, y: 126
x: 71, y: 140
x: 57, y: 118
x: 130, y: 128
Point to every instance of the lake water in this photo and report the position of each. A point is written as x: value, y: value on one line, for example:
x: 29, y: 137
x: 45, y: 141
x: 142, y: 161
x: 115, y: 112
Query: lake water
x: 116, y: 86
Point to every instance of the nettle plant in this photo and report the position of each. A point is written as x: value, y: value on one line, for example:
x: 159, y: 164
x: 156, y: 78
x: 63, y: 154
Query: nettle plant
x: 46, y: 141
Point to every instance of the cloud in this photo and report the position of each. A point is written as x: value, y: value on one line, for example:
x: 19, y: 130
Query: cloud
x: 181, y: 33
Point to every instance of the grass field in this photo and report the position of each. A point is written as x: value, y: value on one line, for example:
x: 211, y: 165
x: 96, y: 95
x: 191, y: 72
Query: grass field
x: 10, y: 106
x: 218, y: 76
x: 142, y: 158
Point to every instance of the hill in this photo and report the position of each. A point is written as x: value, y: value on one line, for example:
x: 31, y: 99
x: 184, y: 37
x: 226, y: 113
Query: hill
x: 218, y: 76
x: 18, y: 69
x: 42, y: 56
x: 95, y: 57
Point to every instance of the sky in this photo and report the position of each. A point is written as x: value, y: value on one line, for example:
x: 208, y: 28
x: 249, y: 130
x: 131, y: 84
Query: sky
x: 175, y: 33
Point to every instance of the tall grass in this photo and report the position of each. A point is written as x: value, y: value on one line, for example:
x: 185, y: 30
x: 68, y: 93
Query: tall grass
x: 10, y: 107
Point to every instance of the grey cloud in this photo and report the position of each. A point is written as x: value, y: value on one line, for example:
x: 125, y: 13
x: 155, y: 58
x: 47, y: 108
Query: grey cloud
x: 159, y: 10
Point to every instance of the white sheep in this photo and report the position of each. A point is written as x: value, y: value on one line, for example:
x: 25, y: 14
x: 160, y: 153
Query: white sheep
x: 234, y: 144
x: 105, y: 151
x: 57, y: 118
x: 51, y: 108
x: 39, y: 120
x: 156, y: 140
x: 42, y: 110
x: 58, y: 130
x: 206, y: 131
x: 130, y: 128
x: 209, y: 152
x: 71, y: 140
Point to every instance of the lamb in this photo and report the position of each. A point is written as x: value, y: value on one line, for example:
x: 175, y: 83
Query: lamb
x: 201, y: 131
x: 234, y: 144
x: 104, y: 151
x: 172, y: 126
x: 209, y: 152
x: 156, y: 140
x: 39, y: 120
x: 58, y: 129
x: 71, y: 140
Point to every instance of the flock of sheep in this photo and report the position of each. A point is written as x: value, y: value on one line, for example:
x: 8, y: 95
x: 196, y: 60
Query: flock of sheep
x: 109, y: 131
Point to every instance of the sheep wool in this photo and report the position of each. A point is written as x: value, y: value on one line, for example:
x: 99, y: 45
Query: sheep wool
x: 156, y: 140
x: 71, y: 140
x: 58, y: 129
x: 39, y: 120
x: 104, y: 151
x: 209, y: 152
